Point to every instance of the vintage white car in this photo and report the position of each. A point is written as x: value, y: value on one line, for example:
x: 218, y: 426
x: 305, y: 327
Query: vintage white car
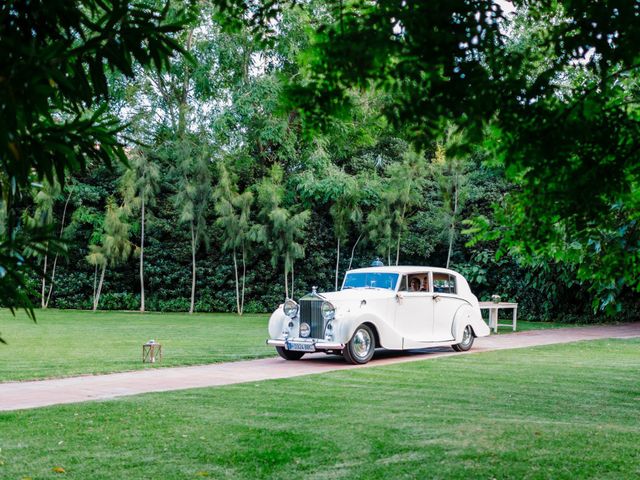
x: 397, y: 308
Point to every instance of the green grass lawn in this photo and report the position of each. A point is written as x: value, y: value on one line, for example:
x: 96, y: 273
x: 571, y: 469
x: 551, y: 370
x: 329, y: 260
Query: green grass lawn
x: 72, y: 342
x: 557, y: 412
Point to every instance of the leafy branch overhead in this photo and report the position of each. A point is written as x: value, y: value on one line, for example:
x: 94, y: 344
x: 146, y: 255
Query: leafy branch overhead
x: 550, y: 89
x: 54, y: 116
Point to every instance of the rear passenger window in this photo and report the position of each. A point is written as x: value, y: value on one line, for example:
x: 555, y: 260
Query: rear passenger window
x: 444, y: 283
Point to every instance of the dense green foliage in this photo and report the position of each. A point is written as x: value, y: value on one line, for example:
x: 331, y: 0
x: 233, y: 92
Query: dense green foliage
x: 244, y: 204
x: 550, y: 89
x: 555, y: 412
x: 242, y: 197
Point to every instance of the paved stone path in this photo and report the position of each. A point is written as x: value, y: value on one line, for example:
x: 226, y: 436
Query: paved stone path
x: 32, y: 394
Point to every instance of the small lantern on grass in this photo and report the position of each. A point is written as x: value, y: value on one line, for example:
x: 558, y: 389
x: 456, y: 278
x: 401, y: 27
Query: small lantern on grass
x: 151, y: 351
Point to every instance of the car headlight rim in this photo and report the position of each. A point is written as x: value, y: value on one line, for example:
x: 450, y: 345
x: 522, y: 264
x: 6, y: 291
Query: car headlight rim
x: 328, y: 311
x: 290, y: 308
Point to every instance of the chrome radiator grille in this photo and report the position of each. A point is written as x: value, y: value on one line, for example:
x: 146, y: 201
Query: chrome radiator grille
x: 310, y: 312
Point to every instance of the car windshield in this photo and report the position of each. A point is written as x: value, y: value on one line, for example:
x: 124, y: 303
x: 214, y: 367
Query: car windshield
x: 371, y: 280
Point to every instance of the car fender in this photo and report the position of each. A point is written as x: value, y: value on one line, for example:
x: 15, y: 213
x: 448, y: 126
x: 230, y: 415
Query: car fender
x: 278, y: 323
x: 387, y: 336
x: 468, y: 315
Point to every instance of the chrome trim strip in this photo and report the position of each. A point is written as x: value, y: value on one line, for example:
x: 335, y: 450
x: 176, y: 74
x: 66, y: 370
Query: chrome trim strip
x: 320, y: 344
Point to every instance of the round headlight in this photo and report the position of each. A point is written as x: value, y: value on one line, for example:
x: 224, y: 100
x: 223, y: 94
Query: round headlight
x: 328, y: 311
x: 305, y: 329
x: 290, y: 308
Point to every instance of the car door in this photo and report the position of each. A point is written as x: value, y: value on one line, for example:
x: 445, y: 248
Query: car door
x: 446, y: 303
x: 414, y: 315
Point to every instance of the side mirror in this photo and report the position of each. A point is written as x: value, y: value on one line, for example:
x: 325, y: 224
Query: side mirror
x: 399, y: 297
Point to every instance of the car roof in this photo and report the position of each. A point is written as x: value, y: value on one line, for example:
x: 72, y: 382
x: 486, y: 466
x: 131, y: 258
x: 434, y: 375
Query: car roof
x: 404, y: 269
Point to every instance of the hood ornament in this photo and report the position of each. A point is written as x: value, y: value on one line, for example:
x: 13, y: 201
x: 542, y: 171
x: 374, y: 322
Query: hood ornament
x: 314, y: 290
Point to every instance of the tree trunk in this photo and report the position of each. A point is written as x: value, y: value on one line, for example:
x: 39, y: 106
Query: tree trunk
x: 337, y: 263
x: 96, y: 301
x: 404, y: 212
x: 193, y: 269
x: 286, y: 285
x: 235, y: 269
x: 184, y: 97
x: 353, y: 251
x: 453, y: 222
x: 244, y: 273
x: 95, y: 284
x: 44, y: 280
x: 293, y: 279
x: 142, y: 257
x: 55, y: 259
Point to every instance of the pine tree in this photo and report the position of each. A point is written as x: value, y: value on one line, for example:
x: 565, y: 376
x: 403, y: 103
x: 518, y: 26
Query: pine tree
x: 233, y: 210
x: 115, y: 249
x: 141, y: 183
x: 279, y: 230
x: 191, y: 200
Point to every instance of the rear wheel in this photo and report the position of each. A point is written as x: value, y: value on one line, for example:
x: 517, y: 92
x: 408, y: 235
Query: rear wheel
x: 361, y: 347
x: 289, y: 354
x: 467, y: 340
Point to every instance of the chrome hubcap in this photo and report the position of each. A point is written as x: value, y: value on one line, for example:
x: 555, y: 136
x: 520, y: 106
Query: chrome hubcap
x: 466, y: 336
x: 361, y: 343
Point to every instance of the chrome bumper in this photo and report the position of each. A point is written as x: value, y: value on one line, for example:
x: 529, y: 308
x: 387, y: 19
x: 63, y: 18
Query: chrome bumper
x: 318, y: 344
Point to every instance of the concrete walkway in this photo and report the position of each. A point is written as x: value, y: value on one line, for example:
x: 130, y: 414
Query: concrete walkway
x: 22, y: 395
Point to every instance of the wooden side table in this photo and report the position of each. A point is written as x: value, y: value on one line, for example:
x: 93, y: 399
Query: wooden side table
x: 493, y: 314
x: 151, y: 352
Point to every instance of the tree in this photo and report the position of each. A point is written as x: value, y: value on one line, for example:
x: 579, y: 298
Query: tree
x: 233, y: 210
x: 53, y: 111
x: 333, y: 186
x: 194, y: 192
x: 115, y: 248
x: 141, y: 183
x: 450, y: 174
x: 279, y: 229
x: 404, y: 191
x: 380, y: 229
x: 44, y: 200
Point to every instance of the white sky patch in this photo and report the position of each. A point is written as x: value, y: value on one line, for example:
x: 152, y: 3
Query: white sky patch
x: 507, y: 6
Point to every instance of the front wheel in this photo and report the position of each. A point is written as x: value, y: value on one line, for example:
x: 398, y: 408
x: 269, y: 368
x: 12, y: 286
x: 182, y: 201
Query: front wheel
x: 467, y: 340
x: 361, y: 347
x: 289, y: 354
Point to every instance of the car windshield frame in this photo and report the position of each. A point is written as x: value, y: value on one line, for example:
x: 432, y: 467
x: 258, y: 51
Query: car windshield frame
x: 380, y: 280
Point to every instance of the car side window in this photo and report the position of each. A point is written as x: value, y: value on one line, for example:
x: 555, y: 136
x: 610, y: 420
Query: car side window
x: 444, y: 283
x: 415, y: 283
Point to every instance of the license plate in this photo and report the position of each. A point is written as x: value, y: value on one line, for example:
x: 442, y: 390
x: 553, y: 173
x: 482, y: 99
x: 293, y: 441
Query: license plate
x: 301, y: 347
